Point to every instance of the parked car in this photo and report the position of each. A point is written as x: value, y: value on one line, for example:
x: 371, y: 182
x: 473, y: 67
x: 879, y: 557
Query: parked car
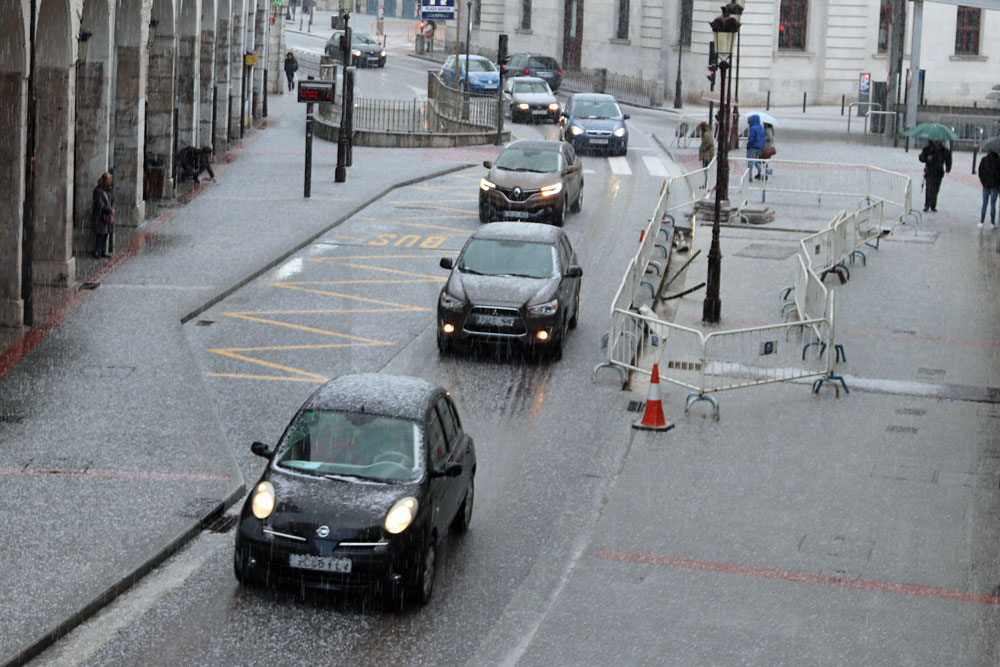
x: 529, y: 98
x: 594, y: 121
x: 368, y: 477
x: 483, y: 74
x: 530, y: 64
x: 365, y: 49
x: 532, y: 180
x: 513, y: 283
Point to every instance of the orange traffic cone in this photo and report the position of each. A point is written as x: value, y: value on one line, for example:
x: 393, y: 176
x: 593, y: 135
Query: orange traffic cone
x: 653, y: 419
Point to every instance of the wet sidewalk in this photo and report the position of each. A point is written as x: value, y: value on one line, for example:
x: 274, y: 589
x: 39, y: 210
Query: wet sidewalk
x: 112, y: 455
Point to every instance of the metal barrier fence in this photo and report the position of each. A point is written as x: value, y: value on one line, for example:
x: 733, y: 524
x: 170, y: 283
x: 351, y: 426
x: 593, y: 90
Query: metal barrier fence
x: 392, y: 115
x: 625, y: 88
x: 472, y: 108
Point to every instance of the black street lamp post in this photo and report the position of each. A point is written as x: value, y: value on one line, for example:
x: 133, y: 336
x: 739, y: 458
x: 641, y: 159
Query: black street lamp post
x: 725, y: 28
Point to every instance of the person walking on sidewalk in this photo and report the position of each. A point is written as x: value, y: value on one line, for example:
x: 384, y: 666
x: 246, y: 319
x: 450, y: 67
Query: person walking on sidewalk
x: 193, y: 161
x: 707, y: 149
x: 755, y: 142
x: 937, y: 160
x: 291, y: 67
x: 989, y: 176
x: 102, y: 214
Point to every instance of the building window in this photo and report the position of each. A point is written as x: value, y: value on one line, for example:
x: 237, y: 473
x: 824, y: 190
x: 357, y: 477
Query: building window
x: 884, y: 12
x: 792, y: 26
x: 686, y: 7
x: 622, y: 32
x: 477, y: 11
x: 967, y: 32
x: 525, y: 14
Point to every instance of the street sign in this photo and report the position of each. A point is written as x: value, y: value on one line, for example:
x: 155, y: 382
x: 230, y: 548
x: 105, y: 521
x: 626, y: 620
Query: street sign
x: 315, y: 91
x: 437, y: 9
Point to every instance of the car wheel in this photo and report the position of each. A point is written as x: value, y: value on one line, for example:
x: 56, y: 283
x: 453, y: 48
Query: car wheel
x: 444, y: 345
x: 423, y: 580
x: 484, y: 212
x: 576, y: 311
x: 624, y: 151
x: 556, y: 352
x: 578, y: 202
x: 240, y: 570
x: 559, y: 217
x: 464, y: 517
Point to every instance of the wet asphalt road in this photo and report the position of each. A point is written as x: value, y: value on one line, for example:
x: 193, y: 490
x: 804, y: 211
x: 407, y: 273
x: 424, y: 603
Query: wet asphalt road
x: 362, y: 298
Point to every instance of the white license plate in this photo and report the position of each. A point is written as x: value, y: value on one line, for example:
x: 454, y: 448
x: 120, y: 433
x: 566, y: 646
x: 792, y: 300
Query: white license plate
x: 599, y: 142
x: 518, y: 215
x: 539, y: 112
x: 321, y: 563
x: 495, y: 320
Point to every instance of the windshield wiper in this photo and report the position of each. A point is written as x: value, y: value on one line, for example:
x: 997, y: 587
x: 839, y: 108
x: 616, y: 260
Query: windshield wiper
x: 345, y: 477
x: 520, y: 275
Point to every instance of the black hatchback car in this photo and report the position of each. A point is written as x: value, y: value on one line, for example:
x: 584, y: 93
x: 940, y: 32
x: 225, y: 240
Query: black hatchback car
x: 365, y: 49
x: 531, y: 64
x: 513, y: 283
x: 368, y: 477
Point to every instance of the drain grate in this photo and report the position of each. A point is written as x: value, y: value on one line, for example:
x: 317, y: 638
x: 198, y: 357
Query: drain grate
x: 11, y: 419
x: 220, y: 524
x: 89, y: 285
x: 900, y: 429
x: 636, y: 406
x: 916, y: 412
x: 205, y: 323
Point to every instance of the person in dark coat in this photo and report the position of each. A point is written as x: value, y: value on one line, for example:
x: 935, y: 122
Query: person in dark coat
x: 755, y: 142
x: 291, y: 67
x: 193, y: 161
x: 102, y: 214
x: 937, y: 160
x: 989, y: 176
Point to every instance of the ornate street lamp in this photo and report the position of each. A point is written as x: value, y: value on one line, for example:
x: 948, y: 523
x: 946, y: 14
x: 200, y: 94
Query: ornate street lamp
x: 725, y: 28
x: 81, y: 51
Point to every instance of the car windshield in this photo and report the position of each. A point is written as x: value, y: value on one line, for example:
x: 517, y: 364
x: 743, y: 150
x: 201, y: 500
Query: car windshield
x: 531, y: 87
x: 362, y: 38
x: 544, y: 62
x: 494, y: 257
x: 596, y: 109
x: 352, y: 445
x: 517, y: 159
x: 477, y: 65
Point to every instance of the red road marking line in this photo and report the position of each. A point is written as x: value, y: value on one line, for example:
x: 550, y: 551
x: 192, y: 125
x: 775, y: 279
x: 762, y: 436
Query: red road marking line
x: 114, y: 474
x: 800, y: 577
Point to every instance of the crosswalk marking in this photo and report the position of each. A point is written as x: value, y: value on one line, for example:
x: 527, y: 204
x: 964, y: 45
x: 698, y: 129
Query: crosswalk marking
x: 619, y: 165
x: 655, y: 166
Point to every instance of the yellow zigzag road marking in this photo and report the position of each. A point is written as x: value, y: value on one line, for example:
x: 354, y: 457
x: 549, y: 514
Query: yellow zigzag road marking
x: 396, y: 221
x: 249, y: 316
x: 402, y: 273
x: 394, y: 306
x: 306, y: 376
x: 431, y: 252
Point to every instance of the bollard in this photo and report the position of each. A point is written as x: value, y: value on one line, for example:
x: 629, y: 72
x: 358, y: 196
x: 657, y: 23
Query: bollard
x: 803, y: 102
x: 307, y: 188
x: 768, y: 101
x: 842, y: 97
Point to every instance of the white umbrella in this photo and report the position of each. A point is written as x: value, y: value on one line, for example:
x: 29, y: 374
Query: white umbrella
x: 765, y: 118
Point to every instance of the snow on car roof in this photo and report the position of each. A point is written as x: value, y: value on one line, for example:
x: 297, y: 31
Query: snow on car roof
x: 527, y: 232
x: 374, y: 393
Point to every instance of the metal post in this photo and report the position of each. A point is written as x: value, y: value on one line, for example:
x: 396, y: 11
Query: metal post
x: 803, y: 101
x: 501, y: 57
x: 768, y: 107
x: 468, y: 38
x: 28, y: 223
x: 914, y: 88
x: 243, y: 99
x: 712, y: 306
x: 215, y: 110
x: 843, y: 98
x: 348, y: 119
x: 265, y: 93
x: 307, y: 187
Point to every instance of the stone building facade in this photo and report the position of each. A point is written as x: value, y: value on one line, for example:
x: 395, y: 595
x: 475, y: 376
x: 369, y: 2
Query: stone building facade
x: 113, y: 85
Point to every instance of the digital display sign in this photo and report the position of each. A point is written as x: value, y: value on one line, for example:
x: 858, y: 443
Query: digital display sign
x: 315, y: 91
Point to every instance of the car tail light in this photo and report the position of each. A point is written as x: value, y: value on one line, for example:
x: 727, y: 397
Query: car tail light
x: 559, y: 72
x: 527, y: 70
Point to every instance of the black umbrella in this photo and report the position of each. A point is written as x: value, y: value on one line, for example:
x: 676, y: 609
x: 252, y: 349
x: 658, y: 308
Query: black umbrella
x: 990, y: 145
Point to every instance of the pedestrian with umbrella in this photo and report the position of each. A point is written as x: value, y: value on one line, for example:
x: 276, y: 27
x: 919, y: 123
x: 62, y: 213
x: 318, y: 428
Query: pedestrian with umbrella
x: 989, y: 176
x: 935, y: 156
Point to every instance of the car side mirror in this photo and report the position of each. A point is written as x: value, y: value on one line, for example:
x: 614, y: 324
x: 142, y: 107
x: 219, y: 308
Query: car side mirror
x: 574, y: 272
x: 262, y: 450
x: 448, y: 470
x: 626, y: 116
x: 487, y: 164
x: 447, y: 263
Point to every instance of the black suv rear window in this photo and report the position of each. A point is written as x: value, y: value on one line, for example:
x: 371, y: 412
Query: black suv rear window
x: 544, y: 62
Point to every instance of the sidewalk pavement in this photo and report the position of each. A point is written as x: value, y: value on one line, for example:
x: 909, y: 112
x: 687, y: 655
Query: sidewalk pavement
x: 112, y: 453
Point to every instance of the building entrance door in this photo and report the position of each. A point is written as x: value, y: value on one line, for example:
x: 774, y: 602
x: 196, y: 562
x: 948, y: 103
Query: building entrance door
x: 572, y: 33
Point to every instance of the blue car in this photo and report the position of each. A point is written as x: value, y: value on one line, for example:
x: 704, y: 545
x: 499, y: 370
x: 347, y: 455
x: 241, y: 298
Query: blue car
x: 593, y: 121
x: 483, y: 74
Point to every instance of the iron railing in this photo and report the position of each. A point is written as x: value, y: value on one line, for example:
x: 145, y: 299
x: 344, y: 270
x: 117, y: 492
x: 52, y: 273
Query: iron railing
x: 379, y: 115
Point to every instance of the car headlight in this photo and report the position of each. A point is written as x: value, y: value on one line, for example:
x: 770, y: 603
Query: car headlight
x: 401, y: 515
x: 381, y: 53
x: 547, y: 308
x: 575, y: 130
x: 554, y: 106
x: 451, y: 303
x: 550, y: 190
x: 620, y: 132
x: 486, y: 185
x: 356, y: 53
x: 523, y: 106
x: 263, y: 500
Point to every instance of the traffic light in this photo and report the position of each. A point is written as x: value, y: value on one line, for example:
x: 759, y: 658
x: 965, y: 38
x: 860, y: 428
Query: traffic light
x: 502, y: 56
